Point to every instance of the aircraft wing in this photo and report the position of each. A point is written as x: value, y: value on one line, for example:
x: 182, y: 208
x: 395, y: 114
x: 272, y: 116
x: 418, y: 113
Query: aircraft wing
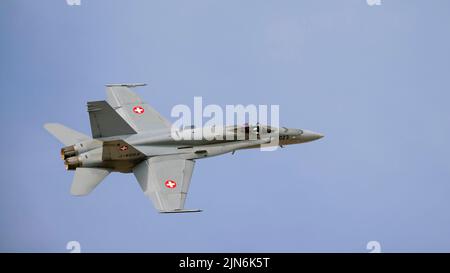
x: 137, y: 113
x: 166, y: 182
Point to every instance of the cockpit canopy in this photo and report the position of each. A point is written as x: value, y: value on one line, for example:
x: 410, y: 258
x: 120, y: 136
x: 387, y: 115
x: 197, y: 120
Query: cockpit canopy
x: 255, y: 129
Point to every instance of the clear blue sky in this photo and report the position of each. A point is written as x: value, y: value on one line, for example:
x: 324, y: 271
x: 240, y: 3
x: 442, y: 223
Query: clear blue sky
x: 374, y: 79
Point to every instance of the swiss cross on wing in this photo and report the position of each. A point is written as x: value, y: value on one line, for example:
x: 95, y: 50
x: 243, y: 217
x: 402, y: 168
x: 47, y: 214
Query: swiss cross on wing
x: 138, y: 110
x: 170, y: 184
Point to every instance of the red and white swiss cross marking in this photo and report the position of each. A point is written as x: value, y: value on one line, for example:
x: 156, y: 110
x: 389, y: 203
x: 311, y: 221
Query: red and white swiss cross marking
x: 123, y: 148
x: 138, y: 110
x: 170, y: 184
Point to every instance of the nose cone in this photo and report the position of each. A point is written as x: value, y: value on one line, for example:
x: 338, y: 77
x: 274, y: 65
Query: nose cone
x: 310, y: 135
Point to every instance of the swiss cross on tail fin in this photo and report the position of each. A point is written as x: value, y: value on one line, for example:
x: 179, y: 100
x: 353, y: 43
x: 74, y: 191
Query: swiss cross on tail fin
x: 137, y: 113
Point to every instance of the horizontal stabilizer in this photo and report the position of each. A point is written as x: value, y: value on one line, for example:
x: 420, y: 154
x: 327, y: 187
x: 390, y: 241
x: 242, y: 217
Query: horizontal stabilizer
x: 86, y: 179
x: 66, y: 135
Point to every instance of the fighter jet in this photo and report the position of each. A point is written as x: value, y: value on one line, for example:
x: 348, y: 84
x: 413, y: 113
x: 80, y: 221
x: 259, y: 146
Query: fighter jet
x: 129, y: 136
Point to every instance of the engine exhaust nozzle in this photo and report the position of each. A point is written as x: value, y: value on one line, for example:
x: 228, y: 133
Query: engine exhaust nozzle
x: 68, y: 151
x: 72, y: 163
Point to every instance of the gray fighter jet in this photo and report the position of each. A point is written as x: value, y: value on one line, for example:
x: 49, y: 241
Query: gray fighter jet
x: 129, y: 136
